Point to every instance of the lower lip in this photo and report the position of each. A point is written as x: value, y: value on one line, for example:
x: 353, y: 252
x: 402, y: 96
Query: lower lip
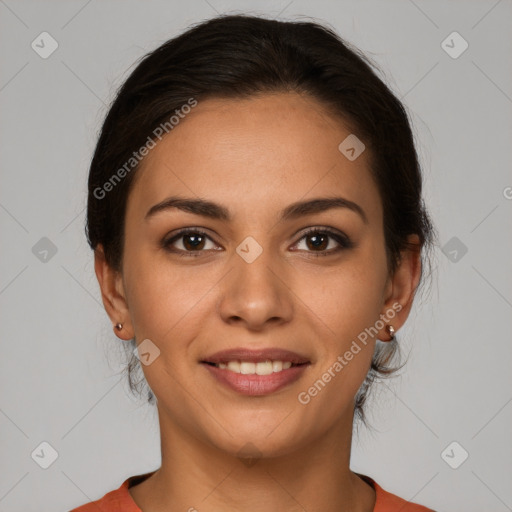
x: 256, y: 384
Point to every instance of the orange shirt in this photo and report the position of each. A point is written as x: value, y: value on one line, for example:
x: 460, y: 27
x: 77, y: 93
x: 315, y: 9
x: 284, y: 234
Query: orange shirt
x: 120, y: 500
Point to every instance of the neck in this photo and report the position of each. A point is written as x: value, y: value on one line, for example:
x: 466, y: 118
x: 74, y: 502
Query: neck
x: 198, y: 476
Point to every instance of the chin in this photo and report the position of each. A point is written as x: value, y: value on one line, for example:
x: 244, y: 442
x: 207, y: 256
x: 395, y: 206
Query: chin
x: 263, y: 440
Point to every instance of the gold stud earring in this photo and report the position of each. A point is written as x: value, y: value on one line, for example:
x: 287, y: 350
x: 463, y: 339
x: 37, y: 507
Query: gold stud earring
x: 391, y: 332
x: 119, y: 326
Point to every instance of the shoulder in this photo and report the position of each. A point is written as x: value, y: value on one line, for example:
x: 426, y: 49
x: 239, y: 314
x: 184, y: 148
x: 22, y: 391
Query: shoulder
x: 388, y: 502
x: 118, y: 500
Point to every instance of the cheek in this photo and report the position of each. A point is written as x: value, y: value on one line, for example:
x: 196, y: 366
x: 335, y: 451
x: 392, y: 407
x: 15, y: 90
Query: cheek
x: 346, y: 305
x: 346, y: 300
x: 166, y: 301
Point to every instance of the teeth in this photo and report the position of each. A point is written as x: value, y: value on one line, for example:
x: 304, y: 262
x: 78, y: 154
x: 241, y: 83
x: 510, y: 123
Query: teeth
x: 265, y: 368
x: 277, y: 366
x: 248, y: 368
x: 234, y: 366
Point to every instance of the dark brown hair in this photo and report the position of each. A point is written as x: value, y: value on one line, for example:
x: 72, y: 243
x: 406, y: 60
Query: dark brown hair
x: 237, y: 56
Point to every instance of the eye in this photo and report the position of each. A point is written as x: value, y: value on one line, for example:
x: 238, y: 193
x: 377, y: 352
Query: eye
x: 190, y: 240
x: 318, y: 240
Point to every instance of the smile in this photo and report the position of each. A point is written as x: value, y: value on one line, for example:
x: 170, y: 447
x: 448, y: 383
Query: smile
x: 255, y: 379
x: 250, y: 368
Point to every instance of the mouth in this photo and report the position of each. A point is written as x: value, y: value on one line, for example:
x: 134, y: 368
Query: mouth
x: 267, y: 367
x: 256, y: 372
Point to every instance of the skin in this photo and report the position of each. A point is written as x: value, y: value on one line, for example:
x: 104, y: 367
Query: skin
x: 255, y: 157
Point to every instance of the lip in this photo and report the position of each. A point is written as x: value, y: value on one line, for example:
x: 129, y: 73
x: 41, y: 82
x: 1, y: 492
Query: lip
x: 255, y: 385
x: 255, y: 356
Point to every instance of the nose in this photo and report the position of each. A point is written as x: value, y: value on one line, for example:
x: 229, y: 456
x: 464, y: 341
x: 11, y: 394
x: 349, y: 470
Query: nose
x: 256, y: 294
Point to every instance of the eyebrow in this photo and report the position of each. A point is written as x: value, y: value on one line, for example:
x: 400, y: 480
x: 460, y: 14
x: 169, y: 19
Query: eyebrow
x: 216, y: 211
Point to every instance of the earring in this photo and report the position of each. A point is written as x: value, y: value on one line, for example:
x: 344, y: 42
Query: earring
x: 391, y: 332
x: 119, y: 326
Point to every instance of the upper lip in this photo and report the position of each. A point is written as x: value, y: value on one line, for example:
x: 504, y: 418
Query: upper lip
x: 255, y: 356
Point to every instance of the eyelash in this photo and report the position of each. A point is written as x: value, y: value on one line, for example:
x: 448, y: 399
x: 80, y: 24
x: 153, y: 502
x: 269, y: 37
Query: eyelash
x: 343, y: 241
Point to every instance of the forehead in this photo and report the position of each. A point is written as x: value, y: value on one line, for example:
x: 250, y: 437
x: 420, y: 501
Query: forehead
x: 264, y: 151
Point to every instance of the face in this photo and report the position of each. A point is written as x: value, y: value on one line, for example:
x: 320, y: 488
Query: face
x: 255, y: 272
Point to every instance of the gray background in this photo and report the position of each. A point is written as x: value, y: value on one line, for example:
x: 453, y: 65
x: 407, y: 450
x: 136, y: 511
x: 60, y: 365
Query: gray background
x: 60, y: 367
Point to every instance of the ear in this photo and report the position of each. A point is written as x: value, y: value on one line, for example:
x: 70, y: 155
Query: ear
x: 401, y: 287
x: 112, y: 294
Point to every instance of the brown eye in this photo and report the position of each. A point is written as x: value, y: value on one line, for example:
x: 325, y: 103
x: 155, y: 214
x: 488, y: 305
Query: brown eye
x: 317, y: 241
x: 188, y: 241
x: 193, y: 242
x: 324, y: 242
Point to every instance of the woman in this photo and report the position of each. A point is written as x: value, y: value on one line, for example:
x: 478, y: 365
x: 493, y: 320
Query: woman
x: 259, y: 234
